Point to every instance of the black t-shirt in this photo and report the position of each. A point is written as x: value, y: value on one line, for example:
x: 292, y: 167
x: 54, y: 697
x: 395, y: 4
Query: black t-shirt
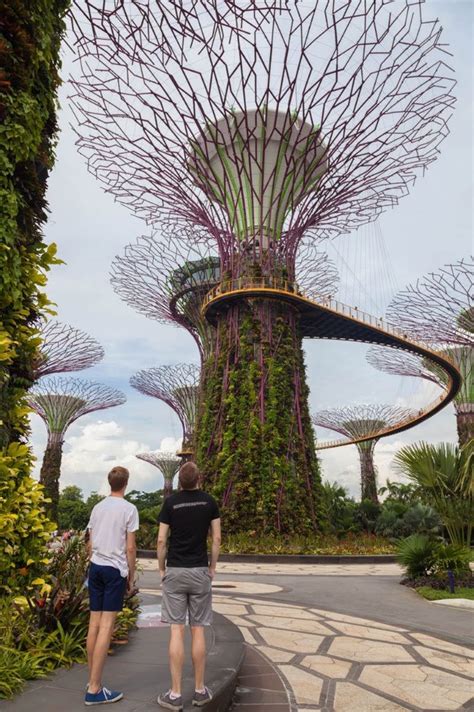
x: 189, y: 514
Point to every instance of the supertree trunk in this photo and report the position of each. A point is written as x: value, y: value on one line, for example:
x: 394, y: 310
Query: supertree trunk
x: 51, y: 473
x: 255, y: 443
x: 368, y: 472
x: 465, y: 425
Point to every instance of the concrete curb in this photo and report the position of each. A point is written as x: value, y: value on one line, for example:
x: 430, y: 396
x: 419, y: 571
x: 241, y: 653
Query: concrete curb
x: 292, y: 558
x: 226, y: 655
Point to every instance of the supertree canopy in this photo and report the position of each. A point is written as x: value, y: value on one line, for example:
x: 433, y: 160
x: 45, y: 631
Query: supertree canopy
x: 439, y: 308
x: 167, y: 281
x: 59, y: 402
x: 357, y: 422
x: 167, y: 463
x: 65, y: 348
x: 288, y: 120
x: 178, y: 387
x: 403, y: 363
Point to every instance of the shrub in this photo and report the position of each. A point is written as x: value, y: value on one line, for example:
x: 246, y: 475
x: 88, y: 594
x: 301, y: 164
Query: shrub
x: 452, y: 557
x: 399, y: 520
x: 417, y: 555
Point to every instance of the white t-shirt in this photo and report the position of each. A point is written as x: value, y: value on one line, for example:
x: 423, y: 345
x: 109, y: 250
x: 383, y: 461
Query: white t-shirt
x: 109, y: 523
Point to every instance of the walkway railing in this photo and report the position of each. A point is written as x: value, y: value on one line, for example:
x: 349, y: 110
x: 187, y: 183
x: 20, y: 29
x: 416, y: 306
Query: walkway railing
x: 280, y: 286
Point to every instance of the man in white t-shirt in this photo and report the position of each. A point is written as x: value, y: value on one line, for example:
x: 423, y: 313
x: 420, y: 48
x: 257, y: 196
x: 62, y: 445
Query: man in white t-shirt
x: 112, y: 526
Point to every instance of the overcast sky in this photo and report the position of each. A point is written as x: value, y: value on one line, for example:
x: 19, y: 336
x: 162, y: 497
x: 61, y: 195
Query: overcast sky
x: 430, y: 227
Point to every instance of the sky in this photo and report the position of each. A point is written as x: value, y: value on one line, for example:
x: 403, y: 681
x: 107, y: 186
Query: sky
x: 429, y: 228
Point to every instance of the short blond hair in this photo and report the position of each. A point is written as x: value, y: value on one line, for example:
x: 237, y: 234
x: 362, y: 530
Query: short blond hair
x: 118, y: 478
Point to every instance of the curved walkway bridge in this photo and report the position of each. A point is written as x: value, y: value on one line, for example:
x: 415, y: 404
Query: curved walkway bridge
x: 329, y: 319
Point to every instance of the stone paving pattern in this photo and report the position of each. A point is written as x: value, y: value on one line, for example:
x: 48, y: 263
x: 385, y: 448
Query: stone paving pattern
x: 338, y: 663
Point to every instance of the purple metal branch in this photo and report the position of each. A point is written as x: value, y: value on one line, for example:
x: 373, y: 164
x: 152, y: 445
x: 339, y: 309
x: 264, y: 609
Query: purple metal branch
x: 64, y: 348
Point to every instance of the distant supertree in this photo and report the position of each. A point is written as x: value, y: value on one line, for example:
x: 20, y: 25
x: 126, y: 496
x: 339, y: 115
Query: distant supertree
x: 438, y: 308
x: 178, y: 387
x: 167, y: 463
x: 403, y: 363
x: 358, y: 421
x: 260, y: 125
x: 59, y: 402
x: 65, y: 348
x: 167, y: 281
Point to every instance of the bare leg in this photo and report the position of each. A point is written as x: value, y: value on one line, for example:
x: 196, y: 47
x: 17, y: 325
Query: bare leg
x: 198, y: 654
x: 101, y: 648
x: 176, y: 654
x: 94, y: 624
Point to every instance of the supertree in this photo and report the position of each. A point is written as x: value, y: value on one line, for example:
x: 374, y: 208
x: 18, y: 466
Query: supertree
x: 439, y: 309
x: 64, y: 348
x: 168, y: 465
x: 168, y: 280
x: 402, y: 363
x: 178, y: 387
x: 314, y: 119
x: 357, y: 422
x: 60, y: 402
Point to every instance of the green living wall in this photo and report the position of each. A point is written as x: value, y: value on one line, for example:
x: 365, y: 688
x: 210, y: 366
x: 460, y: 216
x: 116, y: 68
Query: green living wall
x: 30, y: 38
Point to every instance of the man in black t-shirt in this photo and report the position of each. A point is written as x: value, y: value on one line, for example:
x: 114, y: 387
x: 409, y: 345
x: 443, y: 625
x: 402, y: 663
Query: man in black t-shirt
x: 187, y: 517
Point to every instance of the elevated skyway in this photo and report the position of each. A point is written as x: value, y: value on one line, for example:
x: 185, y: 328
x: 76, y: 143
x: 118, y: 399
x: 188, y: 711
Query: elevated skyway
x: 330, y: 319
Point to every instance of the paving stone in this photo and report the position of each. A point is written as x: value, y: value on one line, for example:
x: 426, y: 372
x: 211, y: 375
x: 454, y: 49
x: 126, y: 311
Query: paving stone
x: 357, y: 621
x: 428, y: 688
x: 351, y: 697
x: 305, y: 626
x: 438, y: 643
x: 372, y: 633
x: 306, y: 687
x: 291, y: 640
x: 283, y: 611
x: 456, y: 663
x: 361, y: 650
x: 276, y: 655
x: 324, y: 664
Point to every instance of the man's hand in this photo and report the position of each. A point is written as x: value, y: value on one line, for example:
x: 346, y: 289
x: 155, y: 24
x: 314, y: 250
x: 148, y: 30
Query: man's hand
x: 130, y: 585
x: 212, y: 572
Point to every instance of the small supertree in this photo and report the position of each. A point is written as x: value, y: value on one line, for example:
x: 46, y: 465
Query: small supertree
x: 178, y: 387
x: 360, y: 421
x: 167, y: 463
x: 167, y: 281
x: 65, y: 348
x: 439, y: 307
x: 402, y: 363
x: 60, y: 402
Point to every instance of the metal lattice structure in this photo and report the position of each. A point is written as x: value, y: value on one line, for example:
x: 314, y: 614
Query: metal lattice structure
x: 402, y: 363
x: 167, y: 281
x: 60, y: 402
x: 438, y: 308
x: 359, y: 421
x: 196, y: 137
x: 167, y: 463
x: 65, y: 348
x: 178, y: 387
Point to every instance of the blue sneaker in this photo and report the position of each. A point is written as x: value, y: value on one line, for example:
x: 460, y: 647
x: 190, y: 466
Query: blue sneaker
x: 103, y: 697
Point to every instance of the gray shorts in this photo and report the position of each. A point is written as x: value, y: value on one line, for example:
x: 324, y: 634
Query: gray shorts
x: 187, y: 591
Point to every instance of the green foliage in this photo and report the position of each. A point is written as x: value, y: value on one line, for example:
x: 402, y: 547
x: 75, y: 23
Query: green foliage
x: 255, y: 442
x: 73, y: 512
x: 417, y: 554
x: 339, y: 509
x: 353, y: 544
x: 24, y: 528
x: 398, y: 520
x: 451, y: 557
x: 439, y: 472
x: 432, y: 594
x: 400, y: 492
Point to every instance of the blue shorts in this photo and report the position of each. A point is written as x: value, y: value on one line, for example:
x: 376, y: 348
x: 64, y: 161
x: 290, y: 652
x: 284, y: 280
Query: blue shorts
x: 106, y: 588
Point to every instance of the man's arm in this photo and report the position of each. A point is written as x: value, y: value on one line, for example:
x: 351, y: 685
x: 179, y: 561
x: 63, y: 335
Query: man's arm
x: 161, y: 547
x: 131, y: 558
x: 215, y: 546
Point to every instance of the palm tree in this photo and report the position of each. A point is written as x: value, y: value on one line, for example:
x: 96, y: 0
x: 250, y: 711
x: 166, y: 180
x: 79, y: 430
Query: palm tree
x: 444, y: 475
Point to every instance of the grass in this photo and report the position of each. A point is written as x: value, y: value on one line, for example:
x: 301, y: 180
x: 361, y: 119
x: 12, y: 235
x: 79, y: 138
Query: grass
x: 432, y: 594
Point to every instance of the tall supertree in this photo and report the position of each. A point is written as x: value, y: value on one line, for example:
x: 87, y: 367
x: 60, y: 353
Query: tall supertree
x: 60, y: 402
x: 178, y: 387
x: 357, y: 422
x: 313, y: 120
x: 439, y: 309
x: 402, y: 363
x: 168, y: 465
x: 64, y: 348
